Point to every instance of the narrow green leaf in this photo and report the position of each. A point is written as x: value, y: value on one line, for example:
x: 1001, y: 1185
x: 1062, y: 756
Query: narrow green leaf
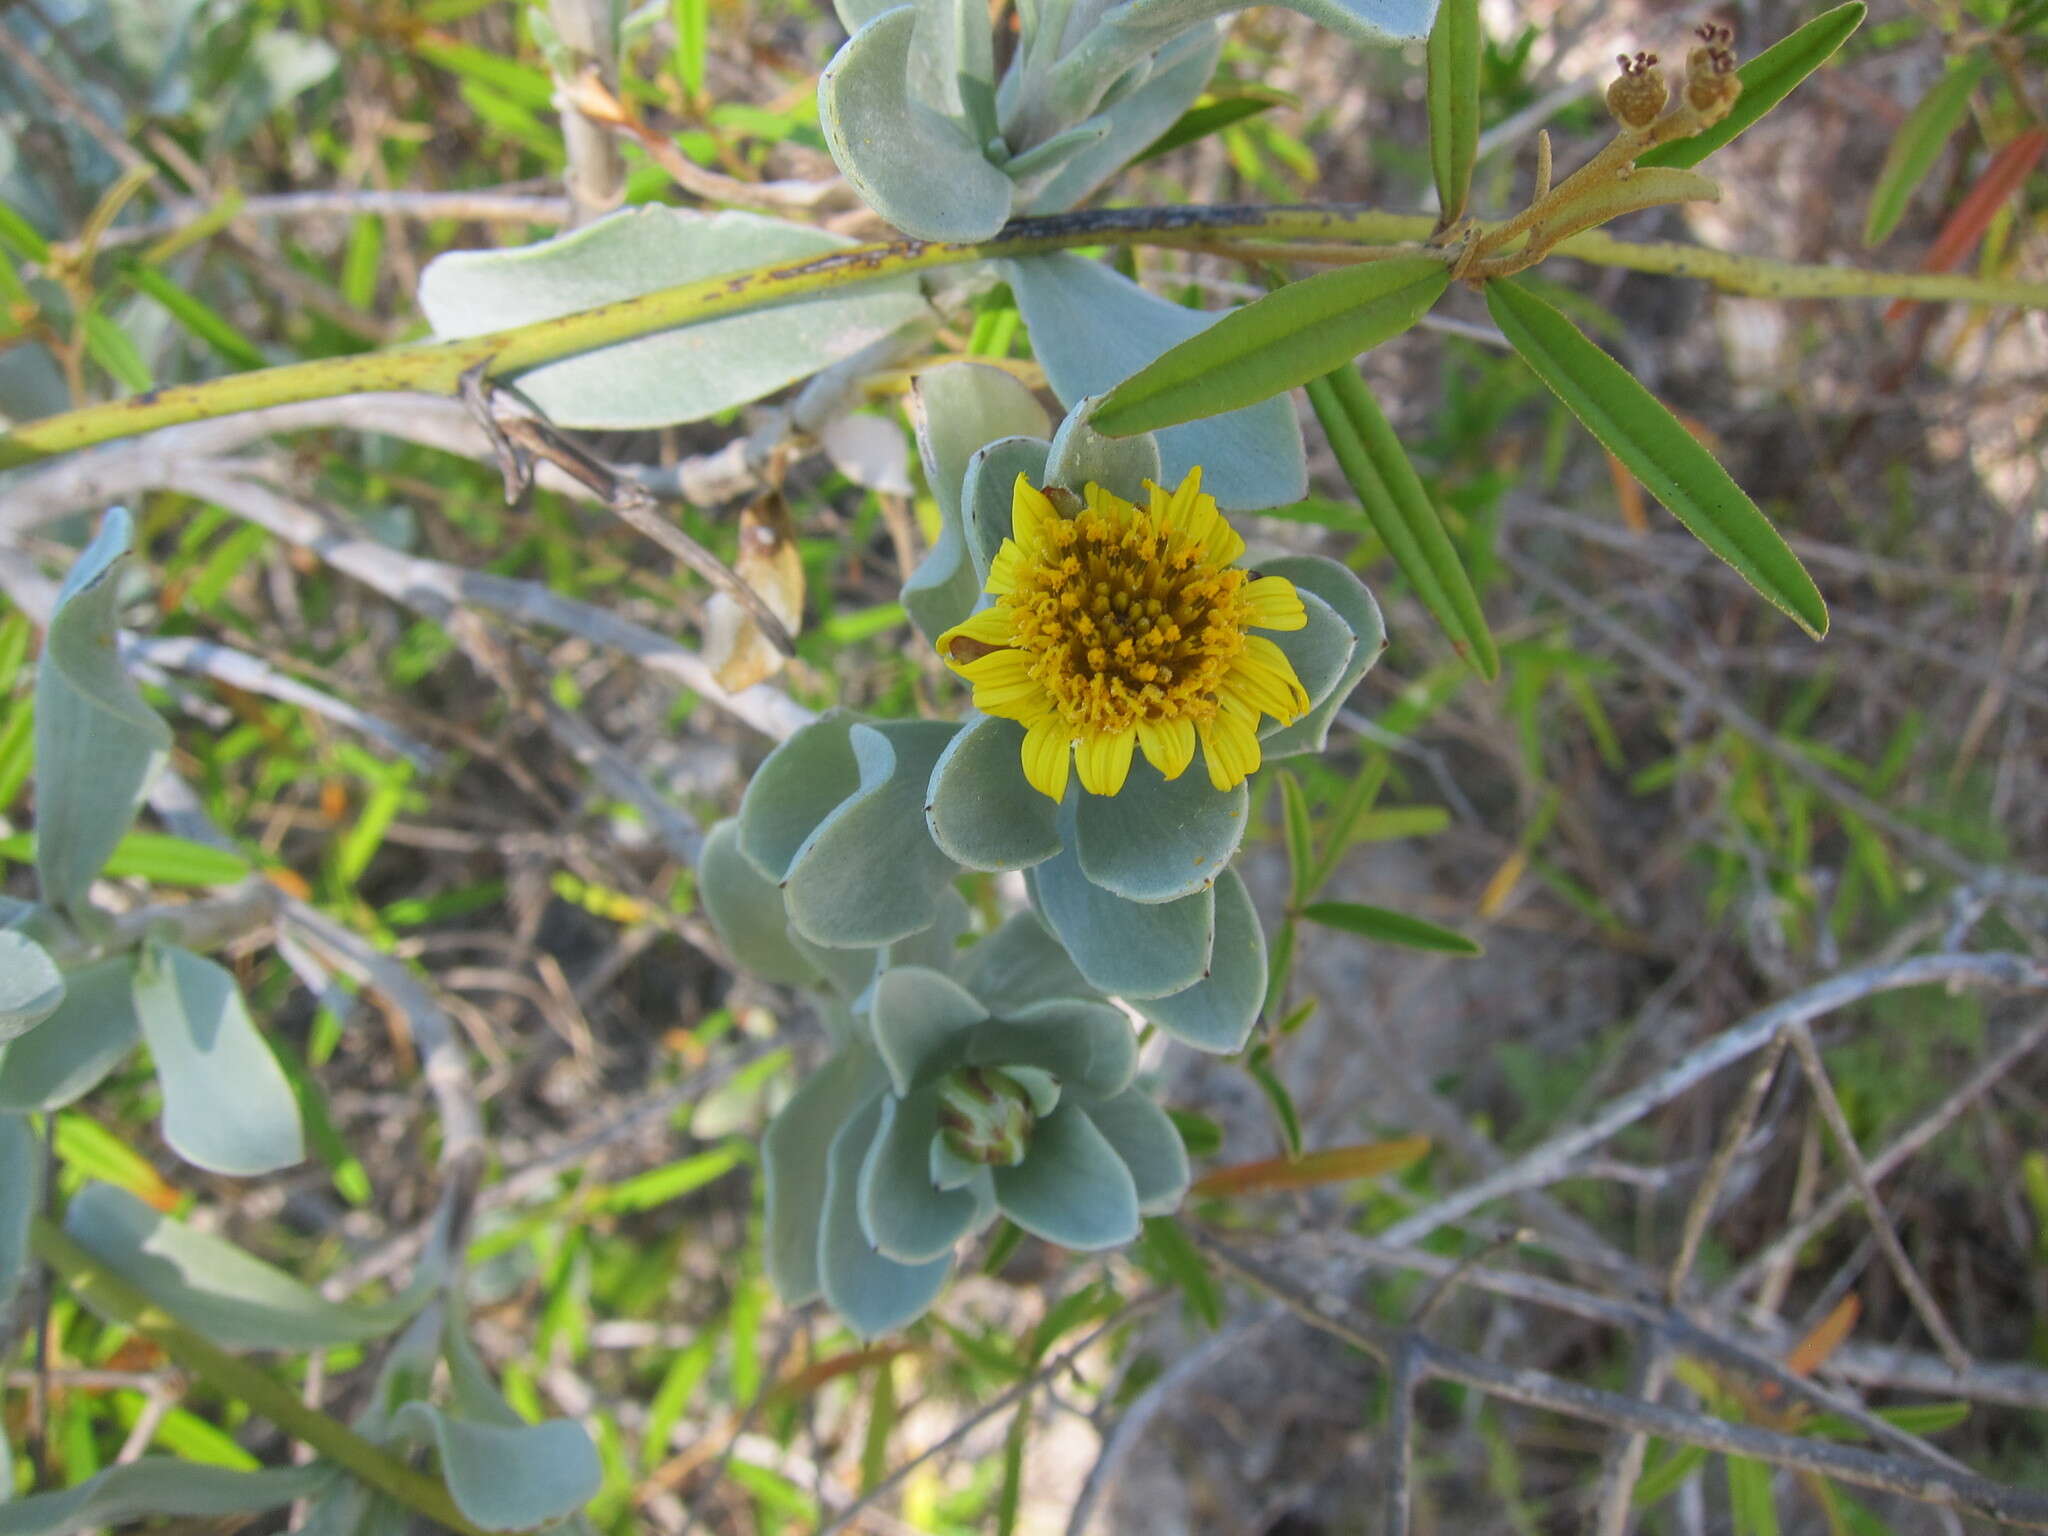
x: 1918, y: 144
x: 1277, y: 1095
x: 1182, y: 1263
x: 1751, y: 1508
x: 1662, y: 1480
x: 1294, y: 810
x: 1767, y: 80
x: 1454, y: 46
x: 1213, y: 117
x: 196, y: 316
x: 1389, y: 927
x: 1637, y: 429
x: 1290, y: 336
x: 1401, y: 513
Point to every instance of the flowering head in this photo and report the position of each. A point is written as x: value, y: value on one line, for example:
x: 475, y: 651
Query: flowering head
x: 1118, y: 628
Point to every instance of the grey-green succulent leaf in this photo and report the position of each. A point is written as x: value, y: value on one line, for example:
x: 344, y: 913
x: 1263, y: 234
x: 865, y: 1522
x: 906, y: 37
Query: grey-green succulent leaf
x: 1019, y: 964
x: 1080, y: 456
x: 874, y: 1293
x: 1079, y: 1042
x: 21, y: 1196
x: 1337, y: 586
x: 228, y: 1107
x: 921, y: 1021
x: 959, y: 408
x: 1159, y: 839
x: 507, y: 1477
x: 1217, y: 1013
x: 1125, y: 948
x: 821, y: 811
x: 916, y: 167
x: 909, y: 1219
x: 677, y: 375
x: 1093, y: 328
x: 1320, y: 650
x: 68, y: 1055
x: 988, y: 496
x: 160, y: 1488
x: 746, y: 911
x: 1145, y: 1138
x: 795, y: 1153
x: 31, y: 986
x: 982, y: 811
x: 96, y: 742
x: 1071, y: 1188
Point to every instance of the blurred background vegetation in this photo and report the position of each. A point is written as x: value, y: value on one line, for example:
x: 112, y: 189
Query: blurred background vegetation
x: 1671, y: 810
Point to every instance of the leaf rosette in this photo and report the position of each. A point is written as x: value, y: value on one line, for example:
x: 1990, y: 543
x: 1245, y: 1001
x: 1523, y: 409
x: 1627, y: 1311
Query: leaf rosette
x: 944, y: 1113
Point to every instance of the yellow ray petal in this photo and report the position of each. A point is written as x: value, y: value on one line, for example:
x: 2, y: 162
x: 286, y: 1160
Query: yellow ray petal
x: 1169, y: 745
x: 1003, y: 685
x: 1105, y: 761
x: 1108, y: 505
x: 1230, y: 747
x: 991, y: 626
x: 1221, y: 544
x: 1048, y: 752
x: 1030, y: 512
x: 1006, y: 568
x: 1272, y: 603
x: 1263, y: 674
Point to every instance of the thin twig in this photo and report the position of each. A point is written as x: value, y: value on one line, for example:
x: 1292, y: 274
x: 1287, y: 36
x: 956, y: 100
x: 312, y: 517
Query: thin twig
x: 1555, y: 1158
x: 1873, y: 1205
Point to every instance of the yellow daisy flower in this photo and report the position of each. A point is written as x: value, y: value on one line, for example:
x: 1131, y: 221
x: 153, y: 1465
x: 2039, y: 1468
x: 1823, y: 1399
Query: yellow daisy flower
x: 1118, y: 628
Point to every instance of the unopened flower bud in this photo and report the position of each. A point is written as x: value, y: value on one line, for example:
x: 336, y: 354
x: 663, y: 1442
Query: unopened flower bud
x: 1711, y: 85
x: 985, y: 1116
x: 1638, y: 96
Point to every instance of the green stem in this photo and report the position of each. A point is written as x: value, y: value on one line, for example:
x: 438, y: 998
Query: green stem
x: 439, y: 367
x: 107, y: 1293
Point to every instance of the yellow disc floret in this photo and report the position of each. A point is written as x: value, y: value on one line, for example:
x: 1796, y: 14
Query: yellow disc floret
x: 1118, y: 628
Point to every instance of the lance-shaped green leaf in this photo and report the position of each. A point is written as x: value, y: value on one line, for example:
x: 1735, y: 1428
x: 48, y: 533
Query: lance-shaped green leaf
x: 507, y: 1477
x: 1401, y: 513
x: 21, y: 1196
x: 159, y: 1488
x: 678, y: 375
x: 209, y: 1284
x: 1766, y: 80
x: 1918, y: 144
x: 1637, y: 429
x: 1217, y: 1012
x: 1272, y: 344
x: 913, y: 166
x: 1653, y: 187
x: 78, y: 1045
x: 1093, y: 328
x: 97, y: 742
x: 1454, y: 47
x: 228, y: 1106
x: 31, y: 986
x: 1389, y: 927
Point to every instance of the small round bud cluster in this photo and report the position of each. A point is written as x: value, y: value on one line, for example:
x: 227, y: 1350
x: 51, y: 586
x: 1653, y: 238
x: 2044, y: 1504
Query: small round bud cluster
x: 985, y: 1116
x: 1637, y: 98
x: 1710, y: 83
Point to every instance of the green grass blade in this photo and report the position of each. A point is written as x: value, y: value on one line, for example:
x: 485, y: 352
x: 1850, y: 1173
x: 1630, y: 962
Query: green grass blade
x: 1290, y: 336
x: 1918, y: 144
x: 1454, y: 44
x: 1401, y: 512
x: 1213, y: 117
x: 1389, y: 927
x: 1638, y: 430
x: 1767, y: 80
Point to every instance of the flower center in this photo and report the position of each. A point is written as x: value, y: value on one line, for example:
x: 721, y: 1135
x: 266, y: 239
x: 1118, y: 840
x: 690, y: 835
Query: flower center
x: 985, y: 1116
x: 1126, y: 620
